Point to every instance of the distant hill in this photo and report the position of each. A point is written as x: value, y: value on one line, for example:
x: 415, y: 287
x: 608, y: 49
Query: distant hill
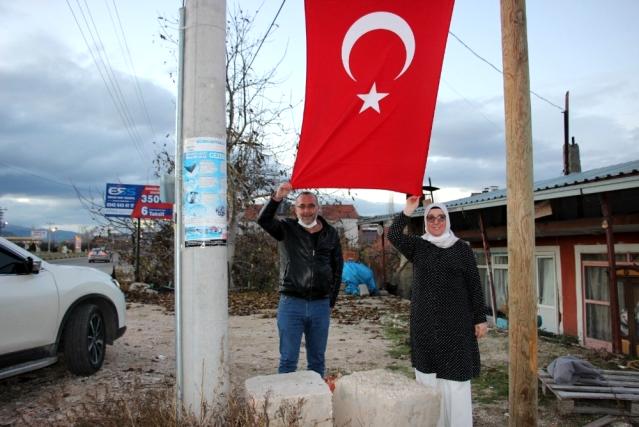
x: 20, y: 231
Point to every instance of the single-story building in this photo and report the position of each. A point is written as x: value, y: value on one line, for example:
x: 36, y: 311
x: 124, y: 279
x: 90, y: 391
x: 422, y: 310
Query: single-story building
x: 587, y: 237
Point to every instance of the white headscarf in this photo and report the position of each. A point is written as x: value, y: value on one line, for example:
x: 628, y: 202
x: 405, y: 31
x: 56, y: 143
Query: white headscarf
x: 447, y: 238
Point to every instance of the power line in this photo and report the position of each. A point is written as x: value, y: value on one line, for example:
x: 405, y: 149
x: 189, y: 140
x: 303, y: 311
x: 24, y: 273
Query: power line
x: 130, y: 62
x: 473, y: 105
x: 499, y: 70
x: 112, y: 75
x: 29, y: 172
x: 106, y: 77
x: 266, y: 35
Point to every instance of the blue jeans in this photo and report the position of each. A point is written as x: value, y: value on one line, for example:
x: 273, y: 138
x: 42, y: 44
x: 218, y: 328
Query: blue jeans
x: 297, y: 316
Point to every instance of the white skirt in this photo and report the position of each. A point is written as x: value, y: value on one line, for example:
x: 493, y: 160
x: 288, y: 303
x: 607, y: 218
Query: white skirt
x: 456, y: 407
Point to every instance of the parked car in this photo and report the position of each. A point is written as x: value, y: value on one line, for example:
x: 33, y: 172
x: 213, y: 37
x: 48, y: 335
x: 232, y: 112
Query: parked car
x: 100, y: 255
x: 47, y: 309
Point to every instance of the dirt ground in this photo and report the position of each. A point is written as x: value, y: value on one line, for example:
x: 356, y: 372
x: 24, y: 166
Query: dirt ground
x: 145, y: 355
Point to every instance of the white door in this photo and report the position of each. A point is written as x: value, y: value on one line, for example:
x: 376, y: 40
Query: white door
x: 28, y: 307
x: 547, y: 293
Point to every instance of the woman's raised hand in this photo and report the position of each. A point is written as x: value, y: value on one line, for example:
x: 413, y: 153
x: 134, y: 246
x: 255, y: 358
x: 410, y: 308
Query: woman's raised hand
x: 411, y: 204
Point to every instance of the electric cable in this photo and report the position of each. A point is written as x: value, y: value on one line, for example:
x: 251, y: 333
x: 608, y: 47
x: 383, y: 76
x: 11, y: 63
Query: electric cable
x: 499, y: 70
x: 112, y: 75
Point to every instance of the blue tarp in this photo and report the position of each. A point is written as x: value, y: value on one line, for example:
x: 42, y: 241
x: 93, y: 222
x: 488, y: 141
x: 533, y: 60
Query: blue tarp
x: 354, y: 273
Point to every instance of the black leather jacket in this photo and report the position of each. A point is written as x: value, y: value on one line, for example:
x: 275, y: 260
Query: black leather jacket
x: 306, y: 270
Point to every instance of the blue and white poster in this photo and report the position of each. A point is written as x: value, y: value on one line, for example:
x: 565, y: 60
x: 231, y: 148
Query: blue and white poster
x: 204, y: 190
x: 120, y: 199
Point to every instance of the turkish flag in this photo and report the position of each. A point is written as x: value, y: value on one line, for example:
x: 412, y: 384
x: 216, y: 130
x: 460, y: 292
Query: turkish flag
x: 373, y: 70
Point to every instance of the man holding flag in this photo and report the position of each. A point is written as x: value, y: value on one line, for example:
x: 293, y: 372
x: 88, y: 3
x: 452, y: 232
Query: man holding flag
x: 310, y: 276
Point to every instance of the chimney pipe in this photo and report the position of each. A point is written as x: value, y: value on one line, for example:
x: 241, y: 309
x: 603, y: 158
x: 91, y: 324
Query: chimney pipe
x: 574, y: 159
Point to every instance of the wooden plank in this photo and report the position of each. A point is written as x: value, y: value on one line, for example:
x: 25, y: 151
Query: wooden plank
x: 595, y: 389
x: 611, y: 379
x: 616, y: 372
x: 605, y: 373
x: 629, y: 384
x: 556, y: 228
x: 619, y: 397
x: 601, y: 422
x: 599, y: 410
x: 597, y: 396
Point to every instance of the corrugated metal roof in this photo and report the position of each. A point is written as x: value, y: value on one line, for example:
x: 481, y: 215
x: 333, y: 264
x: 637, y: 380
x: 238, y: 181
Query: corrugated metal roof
x: 572, y: 180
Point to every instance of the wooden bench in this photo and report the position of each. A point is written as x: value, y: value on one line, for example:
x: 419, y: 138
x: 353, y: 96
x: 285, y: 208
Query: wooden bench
x: 620, y: 395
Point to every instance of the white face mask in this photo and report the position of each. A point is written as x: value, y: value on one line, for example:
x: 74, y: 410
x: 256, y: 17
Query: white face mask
x: 311, y: 225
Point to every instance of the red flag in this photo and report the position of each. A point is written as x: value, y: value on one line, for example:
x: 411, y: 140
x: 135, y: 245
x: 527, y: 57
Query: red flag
x: 373, y: 71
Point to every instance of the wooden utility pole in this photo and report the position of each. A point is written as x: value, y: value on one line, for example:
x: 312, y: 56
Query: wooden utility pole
x: 522, y: 306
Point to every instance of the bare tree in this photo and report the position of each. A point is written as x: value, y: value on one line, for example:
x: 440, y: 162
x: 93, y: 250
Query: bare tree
x: 255, y: 133
x: 254, y: 125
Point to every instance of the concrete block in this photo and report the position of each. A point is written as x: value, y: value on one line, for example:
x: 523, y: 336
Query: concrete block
x: 304, y: 392
x: 382, y: 398
x: 363, y: 290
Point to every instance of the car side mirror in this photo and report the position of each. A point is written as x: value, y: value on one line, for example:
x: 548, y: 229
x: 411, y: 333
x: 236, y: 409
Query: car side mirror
x: 33, y: 267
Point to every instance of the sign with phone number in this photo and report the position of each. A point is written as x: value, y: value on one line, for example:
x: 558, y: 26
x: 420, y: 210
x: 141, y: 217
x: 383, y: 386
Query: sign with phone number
x: 136, y: 201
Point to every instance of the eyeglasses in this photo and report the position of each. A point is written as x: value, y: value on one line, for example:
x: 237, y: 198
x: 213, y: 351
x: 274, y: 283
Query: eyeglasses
x: 303, y: 206
x: 439, y: 218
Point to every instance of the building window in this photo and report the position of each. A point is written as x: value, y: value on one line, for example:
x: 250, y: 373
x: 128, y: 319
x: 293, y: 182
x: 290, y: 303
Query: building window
x: 546, y: 280
x: 597, y: 302
x: 500, y: 279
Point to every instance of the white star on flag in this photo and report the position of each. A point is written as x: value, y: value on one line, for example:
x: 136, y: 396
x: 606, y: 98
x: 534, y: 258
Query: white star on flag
x: 371, y: 99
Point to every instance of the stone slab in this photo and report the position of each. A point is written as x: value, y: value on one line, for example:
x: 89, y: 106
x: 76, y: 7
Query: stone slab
x: 381, y: 398
x: 302, y: 392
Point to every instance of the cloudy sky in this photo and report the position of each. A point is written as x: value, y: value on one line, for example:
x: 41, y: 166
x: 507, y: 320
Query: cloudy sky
x: 60, y: 128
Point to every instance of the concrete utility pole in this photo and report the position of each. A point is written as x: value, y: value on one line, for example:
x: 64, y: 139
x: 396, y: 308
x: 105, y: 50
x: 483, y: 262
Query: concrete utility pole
x: 204, y: 280
x: 522, y: 304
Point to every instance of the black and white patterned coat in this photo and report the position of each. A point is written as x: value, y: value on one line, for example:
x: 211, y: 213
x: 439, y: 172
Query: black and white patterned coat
x: 446, y: 303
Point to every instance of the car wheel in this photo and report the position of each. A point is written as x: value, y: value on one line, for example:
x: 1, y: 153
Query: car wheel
x: 85, y: 340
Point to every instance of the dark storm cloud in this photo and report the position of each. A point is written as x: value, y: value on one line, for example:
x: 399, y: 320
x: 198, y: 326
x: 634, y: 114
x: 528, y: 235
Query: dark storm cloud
x: 467, y: 148
x: 61, y: 123
x: 59, y: 128
x: 462, y: 132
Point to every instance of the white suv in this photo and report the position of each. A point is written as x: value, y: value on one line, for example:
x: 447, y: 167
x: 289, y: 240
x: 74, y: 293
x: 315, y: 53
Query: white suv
x: 46, y: 309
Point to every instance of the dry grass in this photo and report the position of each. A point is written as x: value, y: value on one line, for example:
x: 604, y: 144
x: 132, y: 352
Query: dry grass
x: 155, y: 406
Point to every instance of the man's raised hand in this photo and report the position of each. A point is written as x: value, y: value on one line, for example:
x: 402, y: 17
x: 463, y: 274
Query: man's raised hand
x: 282, y: 191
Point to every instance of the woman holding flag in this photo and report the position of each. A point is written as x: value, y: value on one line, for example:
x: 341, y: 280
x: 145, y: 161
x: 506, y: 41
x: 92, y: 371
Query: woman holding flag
x: 447, y: 309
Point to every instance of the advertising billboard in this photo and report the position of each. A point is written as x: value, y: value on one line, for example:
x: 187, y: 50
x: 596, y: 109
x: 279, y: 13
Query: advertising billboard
x: 135, y: 201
